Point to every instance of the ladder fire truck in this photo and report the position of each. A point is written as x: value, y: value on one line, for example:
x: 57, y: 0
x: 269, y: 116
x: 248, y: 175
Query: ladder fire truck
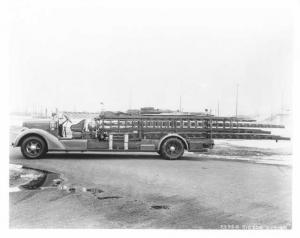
x: 168, y: 135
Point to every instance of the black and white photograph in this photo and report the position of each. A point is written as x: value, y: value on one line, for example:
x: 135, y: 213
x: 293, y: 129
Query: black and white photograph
x: 172, y: 115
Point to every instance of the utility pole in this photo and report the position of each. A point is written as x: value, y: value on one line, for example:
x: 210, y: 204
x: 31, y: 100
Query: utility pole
x: 130, y: 99
x: 180, y: 104
x: 218, y: 109
x: 102, y: 108
x: 282, y: 107
x: 236, y: 100
x: 180, y: 97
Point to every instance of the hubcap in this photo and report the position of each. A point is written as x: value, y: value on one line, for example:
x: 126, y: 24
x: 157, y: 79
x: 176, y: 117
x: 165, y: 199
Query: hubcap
x: 172, y: 148
x: 33, y: 148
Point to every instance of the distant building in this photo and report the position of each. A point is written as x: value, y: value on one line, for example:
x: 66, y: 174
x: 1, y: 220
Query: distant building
x: 133, y: 111
x: 150, y: 110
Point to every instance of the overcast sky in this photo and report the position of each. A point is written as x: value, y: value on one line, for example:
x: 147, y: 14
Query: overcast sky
x: 128, y: 54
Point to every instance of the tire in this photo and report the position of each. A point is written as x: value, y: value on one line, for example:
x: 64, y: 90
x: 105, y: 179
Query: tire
x: 33, y: 147
x: 172, y: 149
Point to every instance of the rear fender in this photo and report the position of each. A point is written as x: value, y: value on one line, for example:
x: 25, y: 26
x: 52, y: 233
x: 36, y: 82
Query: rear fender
x: 186, y: 145
x: 53, y: 143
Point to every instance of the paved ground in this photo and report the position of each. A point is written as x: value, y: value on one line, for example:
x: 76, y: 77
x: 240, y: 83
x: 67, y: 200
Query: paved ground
x: 194, y: 192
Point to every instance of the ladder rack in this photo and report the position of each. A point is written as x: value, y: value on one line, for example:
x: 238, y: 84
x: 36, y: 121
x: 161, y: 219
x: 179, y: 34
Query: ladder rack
x: 211, y: 127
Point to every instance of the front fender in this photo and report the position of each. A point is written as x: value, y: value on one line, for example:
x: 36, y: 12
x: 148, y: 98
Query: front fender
x: 53, y: 143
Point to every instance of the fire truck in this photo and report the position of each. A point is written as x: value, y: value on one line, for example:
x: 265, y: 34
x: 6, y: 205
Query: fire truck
x: 168, y: 135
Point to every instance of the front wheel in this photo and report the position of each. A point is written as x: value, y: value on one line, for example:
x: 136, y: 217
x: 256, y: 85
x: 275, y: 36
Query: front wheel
x: 33, y: 147
x: 172, y: 149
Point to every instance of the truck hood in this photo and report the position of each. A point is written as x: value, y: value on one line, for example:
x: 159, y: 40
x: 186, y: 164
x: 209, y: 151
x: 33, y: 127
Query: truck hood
x: 39, y: 124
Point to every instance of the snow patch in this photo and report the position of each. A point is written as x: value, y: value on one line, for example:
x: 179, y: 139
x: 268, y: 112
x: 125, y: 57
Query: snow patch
x: 14, y: 189
x: 15, y: 167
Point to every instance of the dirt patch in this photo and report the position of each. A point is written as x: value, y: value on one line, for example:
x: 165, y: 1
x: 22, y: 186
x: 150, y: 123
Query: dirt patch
x: 158, y: 207
x: 94, y: 190
x: 109, y: 197
x: 72, y: 190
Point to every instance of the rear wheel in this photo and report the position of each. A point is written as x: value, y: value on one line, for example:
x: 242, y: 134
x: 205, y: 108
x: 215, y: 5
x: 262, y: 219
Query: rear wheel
x: 172, y: 149
x: 33, y: 147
